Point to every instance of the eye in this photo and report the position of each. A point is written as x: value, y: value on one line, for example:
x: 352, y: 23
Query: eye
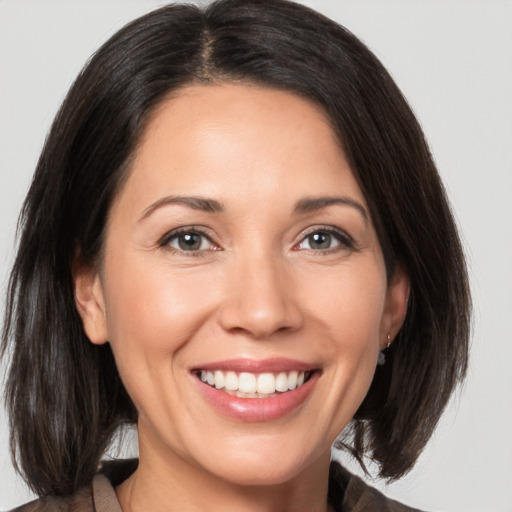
x: 190, y: 241
x: 324, y: 240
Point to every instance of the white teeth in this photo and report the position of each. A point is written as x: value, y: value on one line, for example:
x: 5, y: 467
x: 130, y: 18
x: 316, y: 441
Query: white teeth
x: 292, y: 380
x: 231, y: 381
x: 219, y: 379
x: 250, y: 385
x: 247, y: 383
x: 239, y: 394
x: 266, y: 383
x: 282, y: 382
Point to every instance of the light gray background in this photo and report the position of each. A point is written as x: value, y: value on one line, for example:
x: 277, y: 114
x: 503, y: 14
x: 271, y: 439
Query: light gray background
x: 453, y: 60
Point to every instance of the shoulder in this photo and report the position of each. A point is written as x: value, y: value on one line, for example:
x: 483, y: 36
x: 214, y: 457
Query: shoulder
x: 99, y: 496
x: 81, y: 501
x: 357, y: 496
x: 347, y: 493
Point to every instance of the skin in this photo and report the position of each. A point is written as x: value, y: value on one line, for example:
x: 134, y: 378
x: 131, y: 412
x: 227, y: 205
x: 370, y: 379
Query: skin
x: 257, y: 288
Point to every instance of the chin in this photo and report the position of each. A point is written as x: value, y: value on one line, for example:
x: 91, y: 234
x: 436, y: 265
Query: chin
x: 262, y: 462
x: 262, y: 473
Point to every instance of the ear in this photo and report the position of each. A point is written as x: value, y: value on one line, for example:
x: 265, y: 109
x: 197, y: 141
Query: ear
x: 90, y: 303
x: 395, y: 310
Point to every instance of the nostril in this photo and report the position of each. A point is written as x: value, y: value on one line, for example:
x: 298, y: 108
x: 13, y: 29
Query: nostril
x: 259, y: 301
x: 260, y: 321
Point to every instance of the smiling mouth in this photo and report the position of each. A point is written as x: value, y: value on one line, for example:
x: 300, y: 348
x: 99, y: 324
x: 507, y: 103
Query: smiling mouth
x: 254, y: 385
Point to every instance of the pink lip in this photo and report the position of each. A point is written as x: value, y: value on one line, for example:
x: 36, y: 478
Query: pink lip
x: 257, y: 409
x: 251, y: 365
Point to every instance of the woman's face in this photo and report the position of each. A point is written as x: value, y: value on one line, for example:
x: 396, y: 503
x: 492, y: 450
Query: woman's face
x: 241, y: 251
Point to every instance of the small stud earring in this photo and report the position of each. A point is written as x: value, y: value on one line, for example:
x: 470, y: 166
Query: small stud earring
x: 382, y: 356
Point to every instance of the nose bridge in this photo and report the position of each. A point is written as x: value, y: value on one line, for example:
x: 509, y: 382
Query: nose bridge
x: 260, y: 298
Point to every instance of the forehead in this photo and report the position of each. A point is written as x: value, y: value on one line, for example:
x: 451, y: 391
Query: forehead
x: 213, y: 139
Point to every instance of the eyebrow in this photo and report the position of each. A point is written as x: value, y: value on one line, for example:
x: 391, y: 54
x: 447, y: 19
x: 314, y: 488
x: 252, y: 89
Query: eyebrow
x: 196, y: 203
x: 310, y: 204
x: 204, y: 204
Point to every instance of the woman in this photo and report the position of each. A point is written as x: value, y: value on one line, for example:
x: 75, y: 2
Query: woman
x: 235, y: 238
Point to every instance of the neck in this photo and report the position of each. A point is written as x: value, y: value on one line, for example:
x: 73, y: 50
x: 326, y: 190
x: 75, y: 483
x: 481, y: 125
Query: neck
x: 165, y: 482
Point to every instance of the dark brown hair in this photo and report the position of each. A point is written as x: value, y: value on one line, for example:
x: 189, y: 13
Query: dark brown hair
x: 63, y: 393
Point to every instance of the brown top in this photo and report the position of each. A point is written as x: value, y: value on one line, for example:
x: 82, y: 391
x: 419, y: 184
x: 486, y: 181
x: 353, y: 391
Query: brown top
x: 347, y: 493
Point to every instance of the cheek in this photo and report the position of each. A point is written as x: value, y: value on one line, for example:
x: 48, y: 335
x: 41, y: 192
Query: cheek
x: 151, y: 316
x: 151, y: 311
x: 350, y: 303
x: 351, y: 312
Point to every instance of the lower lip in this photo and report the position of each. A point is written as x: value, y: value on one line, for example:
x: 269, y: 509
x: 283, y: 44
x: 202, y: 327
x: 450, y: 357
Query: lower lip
x: 257, y: 409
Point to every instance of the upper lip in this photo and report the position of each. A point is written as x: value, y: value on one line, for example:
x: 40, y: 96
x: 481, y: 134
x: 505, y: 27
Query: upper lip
x: 257, y: 366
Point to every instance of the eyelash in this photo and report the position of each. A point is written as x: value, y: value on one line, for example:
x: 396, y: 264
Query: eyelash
x: 345, y: 240
x: 176, y: 233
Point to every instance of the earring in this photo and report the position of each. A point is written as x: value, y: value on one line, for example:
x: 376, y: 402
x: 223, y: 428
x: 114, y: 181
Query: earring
x: 382, y: 356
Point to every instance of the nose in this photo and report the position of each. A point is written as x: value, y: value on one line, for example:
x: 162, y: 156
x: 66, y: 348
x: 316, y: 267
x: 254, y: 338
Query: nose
x: 260, y: 299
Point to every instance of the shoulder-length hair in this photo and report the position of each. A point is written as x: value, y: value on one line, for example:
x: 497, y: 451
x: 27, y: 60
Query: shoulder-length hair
x: 63, y: 393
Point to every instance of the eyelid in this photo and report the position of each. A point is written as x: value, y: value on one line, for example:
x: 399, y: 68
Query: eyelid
x: 346, y: 241
x: 182, y: 230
